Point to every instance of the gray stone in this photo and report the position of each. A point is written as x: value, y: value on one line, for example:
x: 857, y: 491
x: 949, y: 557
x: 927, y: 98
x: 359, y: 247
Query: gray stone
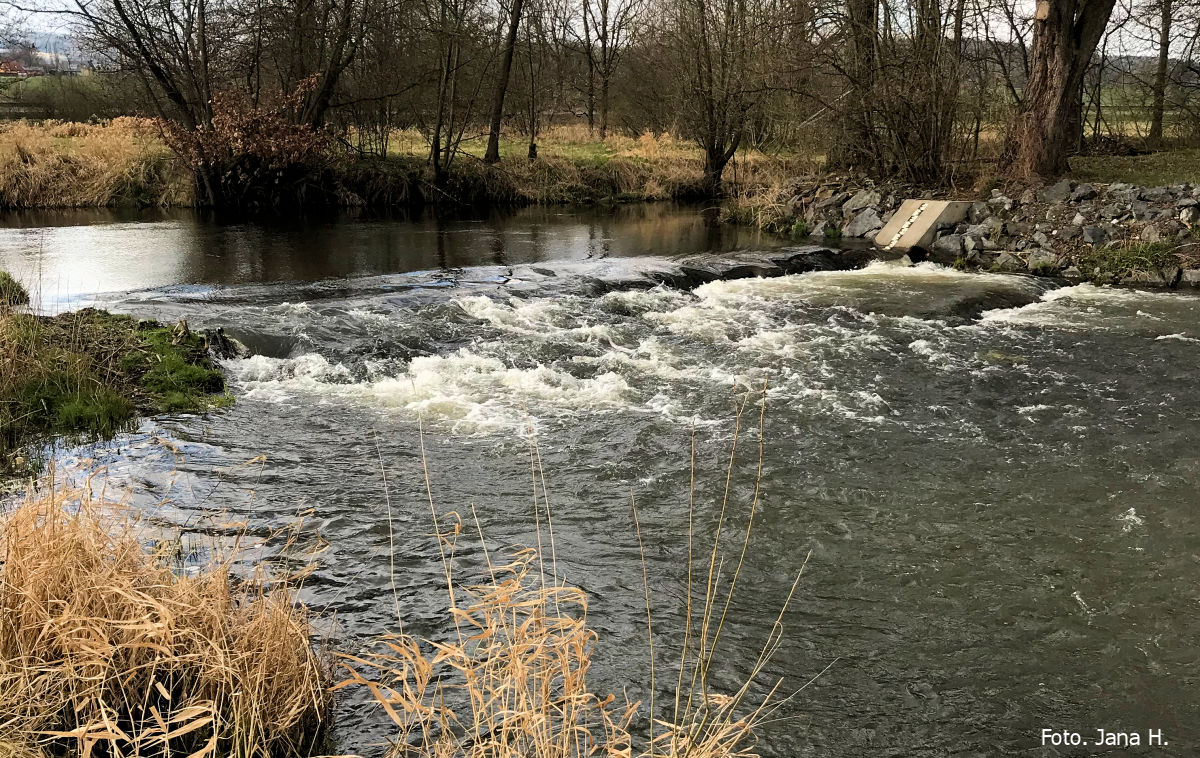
x: 818, y: 229
x: 1044, y: 261
x: 1028, y: 196
x: 1155, y: 194
x: 1094, y: 235
x: 977, y: 212
x: 1072, y: 272
x: 836, y: 200
x: 1187, y: 202
x: 1189, y: 215
x: 1015, y: 228
x: 1112, y: 211
x: 864, y: 199
x: 1056, y: 193
x: 1152, y: 233
x: 1007, y: 261
x: 865, y: 223
x: 1040, y: 238
x: 1000, y: 203
x: 1069, y: 232
x: 1154, y: 277
x: 1083, y: 193
x: 981, y: 258
x: 951, y: 244
x: 1126, y: 193
x: 986, y: 228
x: 1190, y: 277
x: 1079, y: 220
x: 1119, y: 187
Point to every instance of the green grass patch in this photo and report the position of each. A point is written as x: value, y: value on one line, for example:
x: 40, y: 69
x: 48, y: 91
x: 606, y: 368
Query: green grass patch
x: 1110, y: 265
x: 90, y: 374
x: 1153, y: 170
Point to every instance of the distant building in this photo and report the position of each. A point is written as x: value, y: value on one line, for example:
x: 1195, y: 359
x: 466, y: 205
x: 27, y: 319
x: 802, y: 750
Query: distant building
x: 11, y: 69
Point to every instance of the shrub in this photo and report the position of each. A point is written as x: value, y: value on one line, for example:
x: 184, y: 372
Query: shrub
x: 799, y: 229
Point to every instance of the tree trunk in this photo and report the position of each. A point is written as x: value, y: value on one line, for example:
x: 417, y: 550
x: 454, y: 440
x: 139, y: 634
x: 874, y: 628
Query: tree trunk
x: 716, y: 158
x: 1155, y: 137
x: 1065, y: 35
x: 492, y: 155
x: 604, y: 107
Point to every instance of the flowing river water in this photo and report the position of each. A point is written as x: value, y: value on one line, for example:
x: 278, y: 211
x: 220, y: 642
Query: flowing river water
x: 996, y: 477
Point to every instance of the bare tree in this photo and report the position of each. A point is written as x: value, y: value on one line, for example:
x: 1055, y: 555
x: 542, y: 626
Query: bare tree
x: 1065, y: 36
x: 492, y: 154
x: 1159, y: 87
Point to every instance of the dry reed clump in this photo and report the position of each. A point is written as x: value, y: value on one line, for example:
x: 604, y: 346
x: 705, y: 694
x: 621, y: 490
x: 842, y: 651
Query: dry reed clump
x: 106, y: 649
x: 513, y: 682
x: 512, y: 679
x: 63, y: 164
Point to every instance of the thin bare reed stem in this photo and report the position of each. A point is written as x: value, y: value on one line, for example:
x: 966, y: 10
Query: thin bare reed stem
x: 637, y: 527
x: 387, y: 498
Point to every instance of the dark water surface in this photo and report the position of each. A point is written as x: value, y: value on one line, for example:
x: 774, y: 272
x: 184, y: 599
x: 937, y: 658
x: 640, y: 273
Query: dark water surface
x: 62, y: 255
x: 1002, y: 512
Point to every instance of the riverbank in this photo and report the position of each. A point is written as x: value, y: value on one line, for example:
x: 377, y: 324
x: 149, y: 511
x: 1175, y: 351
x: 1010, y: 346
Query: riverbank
x: 91, y: 373
x: 125, y: 163
x: 1115, y: 233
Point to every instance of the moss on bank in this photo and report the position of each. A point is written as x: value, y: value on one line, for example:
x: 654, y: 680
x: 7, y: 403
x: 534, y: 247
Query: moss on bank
x: 90, y: 373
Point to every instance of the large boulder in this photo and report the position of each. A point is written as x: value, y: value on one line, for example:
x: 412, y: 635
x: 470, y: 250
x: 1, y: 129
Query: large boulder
x: 865, y: 223
x: 864, y: 199
x: 950, y: 246
x: 1044, y: 261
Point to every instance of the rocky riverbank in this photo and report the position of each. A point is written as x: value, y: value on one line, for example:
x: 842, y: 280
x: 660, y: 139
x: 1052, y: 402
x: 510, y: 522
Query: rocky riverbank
x: 1110, y: 234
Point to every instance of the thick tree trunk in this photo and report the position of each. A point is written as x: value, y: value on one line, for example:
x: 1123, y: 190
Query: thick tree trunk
x: 1065, y: 35
x: 716, y: 158
x: 492, y: 155
x: 1155, y: 138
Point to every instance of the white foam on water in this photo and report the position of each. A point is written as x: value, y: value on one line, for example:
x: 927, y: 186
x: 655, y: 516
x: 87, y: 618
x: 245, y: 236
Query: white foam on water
x: 1181, y: 337
x: 1090, y: 306
x: 1129, y: 519
x: 472, y: 391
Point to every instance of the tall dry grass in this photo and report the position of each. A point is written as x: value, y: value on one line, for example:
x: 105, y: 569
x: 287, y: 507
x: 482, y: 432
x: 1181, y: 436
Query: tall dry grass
x: 512, y: 679
x: 66, y: 164
x: 109, y: 648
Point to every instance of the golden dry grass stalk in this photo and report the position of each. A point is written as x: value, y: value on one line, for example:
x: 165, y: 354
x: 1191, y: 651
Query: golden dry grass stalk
x: 107, y: 649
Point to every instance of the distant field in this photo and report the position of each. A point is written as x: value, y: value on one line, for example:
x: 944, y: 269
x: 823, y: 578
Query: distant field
x: 1167, y: 167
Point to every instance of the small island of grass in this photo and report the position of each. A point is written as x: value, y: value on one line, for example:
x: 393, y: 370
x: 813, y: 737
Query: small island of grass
x: 90, y: 373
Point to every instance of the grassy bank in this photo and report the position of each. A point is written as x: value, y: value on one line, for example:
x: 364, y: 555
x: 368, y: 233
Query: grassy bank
x: 124, y: 162
x: 91, y: 373
x: 108, y: 648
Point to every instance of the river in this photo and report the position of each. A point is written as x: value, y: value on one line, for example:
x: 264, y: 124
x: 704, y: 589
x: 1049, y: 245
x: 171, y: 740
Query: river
x: 1000, y: 500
